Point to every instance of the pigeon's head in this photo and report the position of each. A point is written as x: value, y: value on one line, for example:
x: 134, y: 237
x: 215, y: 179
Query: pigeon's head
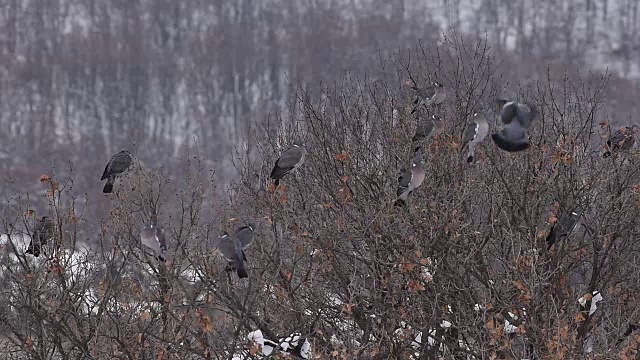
x: 125, y: 152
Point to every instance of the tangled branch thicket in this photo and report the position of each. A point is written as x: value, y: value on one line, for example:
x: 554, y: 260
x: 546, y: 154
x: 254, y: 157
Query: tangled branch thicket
x: 463, y: 272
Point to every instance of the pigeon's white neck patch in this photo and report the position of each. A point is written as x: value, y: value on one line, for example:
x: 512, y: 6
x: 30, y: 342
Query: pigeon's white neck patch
x: 574, y: 213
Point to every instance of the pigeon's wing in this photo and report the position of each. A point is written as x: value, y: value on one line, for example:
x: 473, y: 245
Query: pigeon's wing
x: 621, y: 140
x: 161, y: 240
x: 403, y: 182
x: 511, y: 138
x: 245, y: 235
x: 118, y: 164
x: 106, y: 172
x: 525, y: 114
x: 417, y: 176
x: 289, y: 159
x: 508, y: 112
x: 150, y: 238
x: 44, y: 230
x: 121, y: 162
x: 423, y: 130
x: 231, y: 249
x: 227, y: 246
x: 551, y: 238
x: 469, y: 133
x: 563, y: 228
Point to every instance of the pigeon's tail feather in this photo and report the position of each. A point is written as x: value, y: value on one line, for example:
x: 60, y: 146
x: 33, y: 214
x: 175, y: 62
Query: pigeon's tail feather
x: 415, y: 108
x: 108, y: 187
x: 416, y: 100
x: 510, y: 146
x: 276, y: 182
x: 242, y: 272
x: 278, y: 173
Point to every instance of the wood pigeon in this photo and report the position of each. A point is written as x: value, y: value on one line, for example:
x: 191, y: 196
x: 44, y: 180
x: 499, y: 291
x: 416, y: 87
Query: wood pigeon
x: 116, y: 166
x: 290, y: 159
x: 42, y: 233
x: 562, y: 228
x: 426, y: 129
x: 429, y: 95
x: 410, y: 180
x: 231, y: 248
x: 621, y: 140
x: 476, y: 132
x: 152, y: 236
x: 516, y: 117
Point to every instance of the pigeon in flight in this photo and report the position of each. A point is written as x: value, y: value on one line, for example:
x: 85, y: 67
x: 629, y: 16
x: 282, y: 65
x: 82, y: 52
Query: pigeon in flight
x: 426, y: 129
x: 476, y: 132
x: 231, y: 248
x: 516, y: 117
x: 152, y: 236
x: 621, y: 140
x: 434, y: 94
x: 42, y: 233
x: 116, y: 166
x: 290, y: 159
x: 563, y: 227
x: 410, y: 180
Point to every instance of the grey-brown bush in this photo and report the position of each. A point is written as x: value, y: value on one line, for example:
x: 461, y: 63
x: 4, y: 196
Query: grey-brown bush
x: 333, y: 259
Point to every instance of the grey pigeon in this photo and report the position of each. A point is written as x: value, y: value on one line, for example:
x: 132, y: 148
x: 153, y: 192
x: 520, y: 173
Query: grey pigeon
x: 410, y: 180
x: 563, y: 227
x: 289, y: 160
x: 426, y: 129
x: 231, y: 248
x: 476, y: 132
x: 152, y: 236
x: 516, y: 117
x: 621, y: 140
x: 434, y: 94
x: 42, y: 233
x: 116, y: 166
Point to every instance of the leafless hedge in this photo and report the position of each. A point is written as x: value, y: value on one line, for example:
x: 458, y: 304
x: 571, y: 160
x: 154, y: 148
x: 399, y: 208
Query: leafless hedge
x: 464, y: 273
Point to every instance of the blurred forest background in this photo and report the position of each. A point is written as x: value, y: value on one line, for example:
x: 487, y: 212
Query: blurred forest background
x: 464, y: 272
x: 81, y: 79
